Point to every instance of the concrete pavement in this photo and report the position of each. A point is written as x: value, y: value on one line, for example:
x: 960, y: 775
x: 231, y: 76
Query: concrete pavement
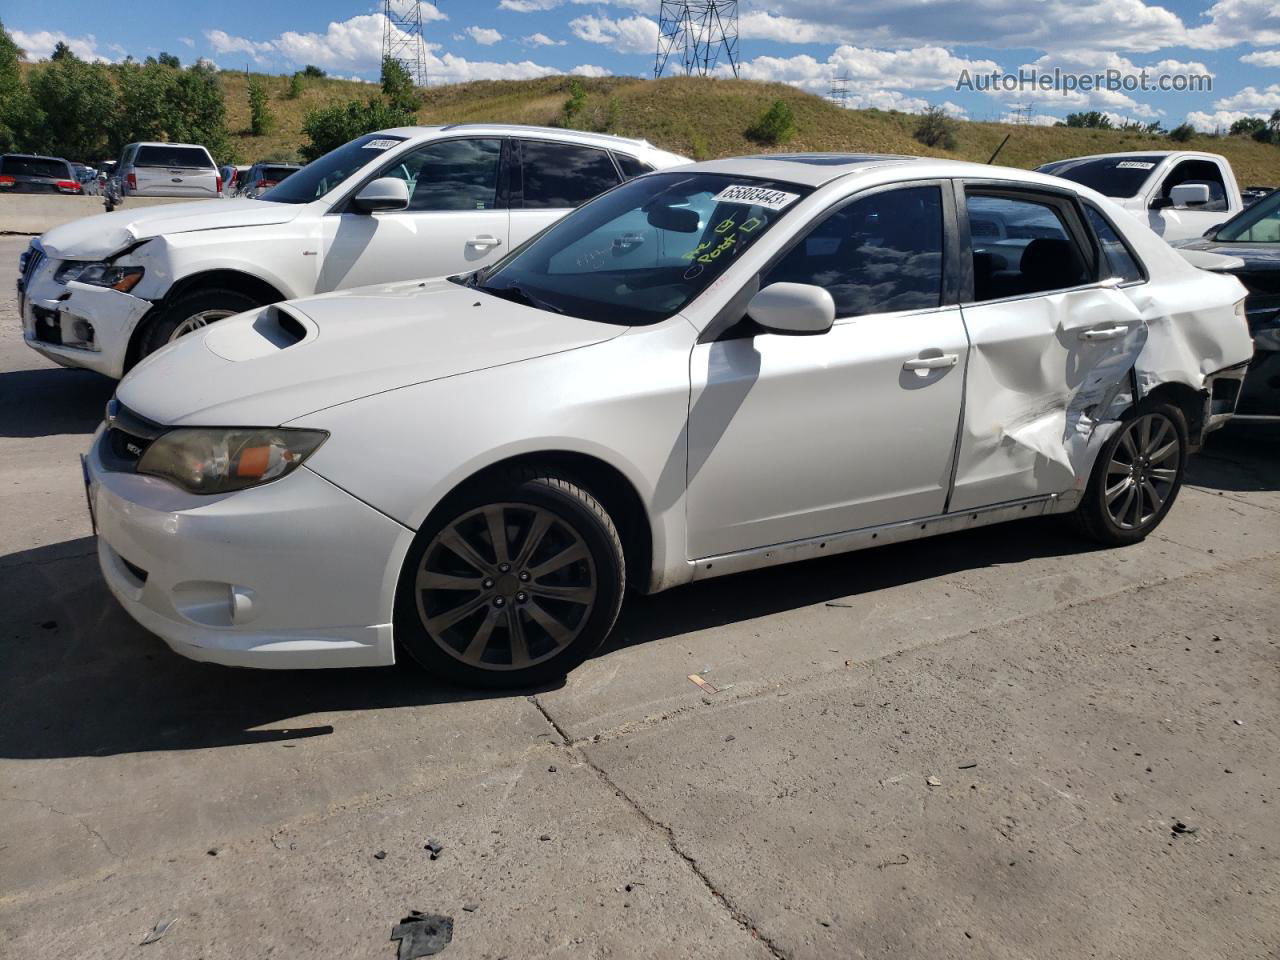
x: 1073, y: 705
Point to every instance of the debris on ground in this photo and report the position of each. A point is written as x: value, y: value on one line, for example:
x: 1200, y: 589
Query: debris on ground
x: 545, y: 837
x: 900, y: 861
x: 551, y: 769
x: 966, y: 766
x: 705, y: 685
x: 422, y: 934
x: 380, y: 855
x: 730, y: 738
x: 433, y: 847
x: 933, y: 781
x: 471, y: 907
x: 1180, y: 828
x: 158, y: 931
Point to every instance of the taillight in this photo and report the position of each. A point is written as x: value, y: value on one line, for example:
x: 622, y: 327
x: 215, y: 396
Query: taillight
x: 132, y: 181
x: 68, y: 186
x: 7, y: 181
x: 217, y: 183
x: 261, y: 184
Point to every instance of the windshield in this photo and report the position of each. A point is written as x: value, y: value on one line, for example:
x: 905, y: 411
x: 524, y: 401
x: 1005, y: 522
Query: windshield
x: 639, y: 253
x: 1110, y: 176
x: 33, y: 167
x: 166, y: 156
x: 1258, y: 224
x: 320, y: 176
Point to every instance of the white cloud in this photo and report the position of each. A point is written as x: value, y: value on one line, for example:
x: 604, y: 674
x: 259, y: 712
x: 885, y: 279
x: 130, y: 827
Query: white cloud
x: 1253, y: 99
x: 1211, y: 122
x: 541, y: 40
x: 1238, y: 21
x: 39, y: 45
x: 186, y: 41
x: 1263, y: 58
x: 485, y: 36
x: 761, y: 25
x: 876, y: 76
x: 527, y: 6
x: 629, y: 35
x: 591, y: 70
x: 223, y: 42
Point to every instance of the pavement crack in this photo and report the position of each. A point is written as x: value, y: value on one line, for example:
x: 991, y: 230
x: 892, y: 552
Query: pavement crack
x: 62, y: 813
x: 567, y: 740
x: 740, y: 916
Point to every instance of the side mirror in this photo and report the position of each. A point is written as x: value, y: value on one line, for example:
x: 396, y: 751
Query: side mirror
x: 1190, y: 195
x: 799, y: 309
x: 385, y: 193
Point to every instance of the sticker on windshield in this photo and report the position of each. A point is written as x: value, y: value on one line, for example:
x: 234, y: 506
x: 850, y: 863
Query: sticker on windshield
x: 380, y: 144
x: 1134, y: 165
x: 756, y: 196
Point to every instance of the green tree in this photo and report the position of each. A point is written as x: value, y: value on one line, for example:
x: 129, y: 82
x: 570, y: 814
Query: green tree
x: 776, y: 125
x: 1247, y: 126
x: 311, y: 70
x: 295, y: 87
x: 159, y: 103
x: 20, y: 117
x: 1092, y: 119
x: 1182, y: 133
x: 330, y: 127
x: 260, y: 119
x: 169, y: 60
x: 574, y: 106
x: 936, y: 129
x: 75, y: 98
x: 398, y: 86
x: 60, y: 51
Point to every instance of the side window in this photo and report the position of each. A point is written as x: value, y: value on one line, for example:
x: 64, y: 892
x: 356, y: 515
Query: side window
x: 1118, y: 257
x: 1198, y: 171
x: 558, y: 175
x: 631, y: 167
x: 875, y: 255
x: 1030, y: 250
x: 450, y: 175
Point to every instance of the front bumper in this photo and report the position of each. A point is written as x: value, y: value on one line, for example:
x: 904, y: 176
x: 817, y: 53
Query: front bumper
x: 292, y: 574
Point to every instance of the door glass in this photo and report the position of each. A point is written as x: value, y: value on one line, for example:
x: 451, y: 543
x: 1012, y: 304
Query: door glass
x: 1020, y: 247
x: 560, y: 175
x: 451, y: 175
x: 1198, y: 172
x: 1120, y: 261
x: 875, y: 255
x: 631, y: 167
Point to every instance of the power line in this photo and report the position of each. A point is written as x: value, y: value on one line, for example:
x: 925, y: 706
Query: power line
x: 402, y: 38
x: 700, y: 33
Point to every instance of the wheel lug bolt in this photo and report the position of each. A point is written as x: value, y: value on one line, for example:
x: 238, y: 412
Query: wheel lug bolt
x: 522, y: 596
x: 504, y: 567
x: 488, y: 584
x: 524, y: 576
x: 499, y: 602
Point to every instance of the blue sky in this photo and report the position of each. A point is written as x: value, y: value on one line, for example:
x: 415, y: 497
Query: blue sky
x: 900, y: 54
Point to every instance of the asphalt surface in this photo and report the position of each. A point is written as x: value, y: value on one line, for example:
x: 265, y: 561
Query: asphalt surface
x: 980, y: 745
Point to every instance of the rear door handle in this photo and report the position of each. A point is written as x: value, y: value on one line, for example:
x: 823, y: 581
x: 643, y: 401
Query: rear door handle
x: 1109, y: 333
x: 484, y: 240
x: 932, y: 363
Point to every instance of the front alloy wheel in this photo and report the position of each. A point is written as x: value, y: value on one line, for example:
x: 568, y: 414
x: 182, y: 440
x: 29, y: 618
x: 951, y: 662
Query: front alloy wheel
x: 514, y: 586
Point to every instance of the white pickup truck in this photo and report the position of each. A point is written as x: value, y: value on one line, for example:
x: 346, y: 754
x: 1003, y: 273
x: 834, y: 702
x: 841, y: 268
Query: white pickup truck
x: 1178, y: 193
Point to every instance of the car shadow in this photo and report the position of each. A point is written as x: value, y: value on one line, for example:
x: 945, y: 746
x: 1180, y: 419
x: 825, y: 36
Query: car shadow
x: 1243, y: 456
x: 52, y: 400
x: 79, y: 678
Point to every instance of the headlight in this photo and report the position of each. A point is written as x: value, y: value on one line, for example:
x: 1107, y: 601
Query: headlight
x: 220, y: 460
x: 99, y: 274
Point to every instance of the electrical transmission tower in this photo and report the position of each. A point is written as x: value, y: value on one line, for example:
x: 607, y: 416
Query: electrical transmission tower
x: 699, y: 33
x: 840, y: 90
x: 402, y: 37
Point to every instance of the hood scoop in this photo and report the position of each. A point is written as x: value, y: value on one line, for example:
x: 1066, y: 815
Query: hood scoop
x: 274, y: 328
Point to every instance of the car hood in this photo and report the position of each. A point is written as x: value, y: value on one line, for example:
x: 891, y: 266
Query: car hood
x: 97, y: 237
x: 278, y: 363
x: 1263, y: 254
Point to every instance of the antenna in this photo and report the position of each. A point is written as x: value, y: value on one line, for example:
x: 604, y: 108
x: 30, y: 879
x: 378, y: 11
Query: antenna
x: 402, y: 38
x: 700, y: 32
x: 840, y: 90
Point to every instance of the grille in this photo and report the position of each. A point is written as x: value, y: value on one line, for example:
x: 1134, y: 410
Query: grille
x: 35, y: 257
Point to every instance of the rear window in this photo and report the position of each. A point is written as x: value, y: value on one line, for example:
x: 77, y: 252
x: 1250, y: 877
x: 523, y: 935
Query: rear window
x: 35, y: 167
x: 276, y: 173
x: 165, y: 156
x: 1110, y: 176
x: 631, y: 167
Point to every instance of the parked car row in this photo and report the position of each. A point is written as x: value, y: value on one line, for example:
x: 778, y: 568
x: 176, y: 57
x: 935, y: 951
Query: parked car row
x: 31, y: 173
x: 679, y: 371
x: 253, y: 181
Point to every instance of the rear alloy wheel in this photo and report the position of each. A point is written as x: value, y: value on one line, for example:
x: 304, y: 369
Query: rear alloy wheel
x: 514, y: 587
x: 1138, y: 475
x: 191, y: 313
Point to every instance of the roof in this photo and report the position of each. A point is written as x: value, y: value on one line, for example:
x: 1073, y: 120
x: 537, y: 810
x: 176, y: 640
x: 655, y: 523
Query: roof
x: 1137, y: 153
x: 817, y: 169
x: 509, y: 129
x: 34, y: 156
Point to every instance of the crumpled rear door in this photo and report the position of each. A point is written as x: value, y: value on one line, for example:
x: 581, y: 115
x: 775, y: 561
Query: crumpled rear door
x: 1040, y: 370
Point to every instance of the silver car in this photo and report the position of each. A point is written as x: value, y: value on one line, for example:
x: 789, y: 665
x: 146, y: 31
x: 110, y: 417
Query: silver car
x: 164, y: 170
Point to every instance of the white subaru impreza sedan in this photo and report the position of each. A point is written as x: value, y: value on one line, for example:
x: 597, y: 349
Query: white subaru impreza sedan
x: 737, y: 364
x: 105, y: 291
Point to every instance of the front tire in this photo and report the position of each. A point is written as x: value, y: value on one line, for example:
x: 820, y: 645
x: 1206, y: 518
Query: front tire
x: 192, y: 312
x: 512, y: 583
x: 1137, y: 476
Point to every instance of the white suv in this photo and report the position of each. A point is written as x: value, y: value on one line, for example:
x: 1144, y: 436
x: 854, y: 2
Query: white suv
x: 105, y: 291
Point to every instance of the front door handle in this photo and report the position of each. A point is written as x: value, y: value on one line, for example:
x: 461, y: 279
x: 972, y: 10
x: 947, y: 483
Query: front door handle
x: 1109, y: 333
x: 926, y: 364
x: 484, y: 240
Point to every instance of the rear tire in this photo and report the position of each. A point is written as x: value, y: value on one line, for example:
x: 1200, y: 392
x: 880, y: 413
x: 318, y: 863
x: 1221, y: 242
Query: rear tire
x: 191, y: 312
x: 511, y: 583
x: 1137, y: 476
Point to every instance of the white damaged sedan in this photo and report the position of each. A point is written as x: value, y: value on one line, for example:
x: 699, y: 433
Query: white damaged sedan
x: 741, y: 363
